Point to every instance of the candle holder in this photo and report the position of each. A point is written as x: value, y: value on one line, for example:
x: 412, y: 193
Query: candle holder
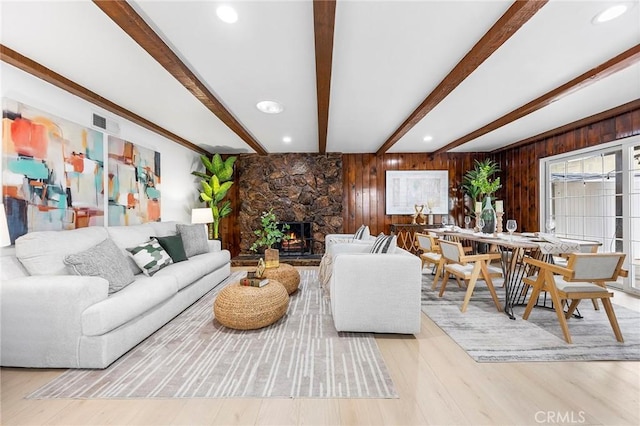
x: 499, y: 221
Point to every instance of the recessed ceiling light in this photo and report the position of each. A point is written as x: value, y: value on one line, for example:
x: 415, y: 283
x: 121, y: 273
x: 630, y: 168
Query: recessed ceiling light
x: 287, y: 139
x: 610, y: 13
x: 270, y: 107
x: 428, y: 138
x: 227, y: 14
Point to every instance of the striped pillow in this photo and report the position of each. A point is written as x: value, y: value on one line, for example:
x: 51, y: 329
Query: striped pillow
x: 362, y: 233
x: 384, y: 244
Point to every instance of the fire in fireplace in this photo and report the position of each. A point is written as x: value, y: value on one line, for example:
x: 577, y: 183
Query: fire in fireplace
x: 300, y: 240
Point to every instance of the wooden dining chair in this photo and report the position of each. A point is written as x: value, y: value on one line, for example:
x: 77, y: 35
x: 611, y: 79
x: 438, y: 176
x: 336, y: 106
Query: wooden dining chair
x: 583, y: 278
x: 430, y: 255
x: 468, y: 268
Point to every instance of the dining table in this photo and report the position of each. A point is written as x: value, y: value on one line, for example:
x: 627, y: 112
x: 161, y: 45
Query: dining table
x: 513, y: 249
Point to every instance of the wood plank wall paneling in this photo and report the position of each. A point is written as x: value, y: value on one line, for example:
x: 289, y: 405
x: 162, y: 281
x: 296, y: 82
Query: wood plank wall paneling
x: 521, y: 166
x: 366, y: 203
x: 364, y: 178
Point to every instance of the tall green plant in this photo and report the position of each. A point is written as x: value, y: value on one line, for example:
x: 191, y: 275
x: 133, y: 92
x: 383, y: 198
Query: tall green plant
x: 215, y: 185
x: 477, y: 182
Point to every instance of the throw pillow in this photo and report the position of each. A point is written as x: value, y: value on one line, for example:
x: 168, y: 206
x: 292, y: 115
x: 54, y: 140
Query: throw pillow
x: 104, y: 260
x: 384, y: 244
x: 194, y: 238
x: 174, y: 246
x: 362, y: 233
x: 150, y: 257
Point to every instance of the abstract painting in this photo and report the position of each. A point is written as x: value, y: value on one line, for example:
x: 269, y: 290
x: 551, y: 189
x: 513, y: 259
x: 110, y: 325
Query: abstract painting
x: 134, y: 183
x: 52, y: 171
x: 406, y: 188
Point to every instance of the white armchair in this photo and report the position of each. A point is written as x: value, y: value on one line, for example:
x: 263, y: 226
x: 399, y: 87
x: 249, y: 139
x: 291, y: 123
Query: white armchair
x: 377, y: 293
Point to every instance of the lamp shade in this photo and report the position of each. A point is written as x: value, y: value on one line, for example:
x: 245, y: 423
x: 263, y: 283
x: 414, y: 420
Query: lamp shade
x: 5, y: 238
x: 204, y: 215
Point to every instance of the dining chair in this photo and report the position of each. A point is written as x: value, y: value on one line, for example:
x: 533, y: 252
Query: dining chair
x: 584, y: 277
x: 468, y: 268
x: 430, y: 255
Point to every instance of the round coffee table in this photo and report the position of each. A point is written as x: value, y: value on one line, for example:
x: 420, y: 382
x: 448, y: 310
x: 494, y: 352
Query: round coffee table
x: 286, y: 274
x: 247, y: 308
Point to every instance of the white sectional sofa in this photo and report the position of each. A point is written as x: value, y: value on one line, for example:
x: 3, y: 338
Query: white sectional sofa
x: 50, y: 318
x: 373, y: 292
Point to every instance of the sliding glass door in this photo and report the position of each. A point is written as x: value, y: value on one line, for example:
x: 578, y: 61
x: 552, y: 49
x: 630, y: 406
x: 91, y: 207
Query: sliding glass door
x: 594, y: 194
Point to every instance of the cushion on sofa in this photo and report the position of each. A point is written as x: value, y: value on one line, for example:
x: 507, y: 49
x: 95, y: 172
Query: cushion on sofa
x: 43, y: 252
x: 131, y: 236
x: 104, y: 260
x: 134, y: 300
x: 150, y: 257
x: 384, y: 244
x: 173, y: 245
x: 362, y: 233
x: 194, y: 238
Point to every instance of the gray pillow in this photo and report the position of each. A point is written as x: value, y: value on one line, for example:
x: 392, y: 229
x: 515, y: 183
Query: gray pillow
x: 104, y: 260
x: 194, y: 239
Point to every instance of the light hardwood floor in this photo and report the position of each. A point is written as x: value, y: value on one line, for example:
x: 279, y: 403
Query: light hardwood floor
x: 437, y: 382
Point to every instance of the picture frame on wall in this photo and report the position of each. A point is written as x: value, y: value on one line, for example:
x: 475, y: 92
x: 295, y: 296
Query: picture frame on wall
x: 406, y: 188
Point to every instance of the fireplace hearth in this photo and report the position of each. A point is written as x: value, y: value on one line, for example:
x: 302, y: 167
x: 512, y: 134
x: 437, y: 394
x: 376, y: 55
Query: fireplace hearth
x: 300, y: 241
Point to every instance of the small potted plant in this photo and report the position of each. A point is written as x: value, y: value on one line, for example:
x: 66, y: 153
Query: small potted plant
x: 268, y: 235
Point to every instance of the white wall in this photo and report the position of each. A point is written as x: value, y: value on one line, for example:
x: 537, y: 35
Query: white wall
x: 179, y: 188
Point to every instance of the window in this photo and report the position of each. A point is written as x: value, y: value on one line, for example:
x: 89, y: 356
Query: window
x: 594, y: 194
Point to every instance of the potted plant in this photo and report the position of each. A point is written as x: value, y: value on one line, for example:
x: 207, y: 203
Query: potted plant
x: 479, y: 185
x: 215, y: 185
x: 268, y: 235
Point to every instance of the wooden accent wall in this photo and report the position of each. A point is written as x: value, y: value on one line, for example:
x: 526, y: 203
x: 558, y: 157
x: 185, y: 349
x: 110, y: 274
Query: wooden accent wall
x: 364, y: 185
x: 521, y: 165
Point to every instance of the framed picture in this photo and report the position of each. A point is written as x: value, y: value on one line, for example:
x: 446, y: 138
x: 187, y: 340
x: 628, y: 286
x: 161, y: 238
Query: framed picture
x: 405, y: 189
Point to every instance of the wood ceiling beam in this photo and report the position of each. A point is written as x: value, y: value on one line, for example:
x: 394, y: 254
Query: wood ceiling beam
x: 131, y: 23
x: 511, y: 21
x: 604, y: 115
x: 324, y: 16
x: 14, y: 58
x: 612, y: 66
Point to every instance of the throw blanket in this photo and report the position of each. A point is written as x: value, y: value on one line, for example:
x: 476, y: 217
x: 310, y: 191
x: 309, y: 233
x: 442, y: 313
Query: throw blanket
x: 325, y: 270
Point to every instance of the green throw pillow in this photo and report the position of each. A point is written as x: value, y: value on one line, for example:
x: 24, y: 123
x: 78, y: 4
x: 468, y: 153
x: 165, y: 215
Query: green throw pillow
x: 104, y: 260
x: 150, y: 257
x: 173, y: 245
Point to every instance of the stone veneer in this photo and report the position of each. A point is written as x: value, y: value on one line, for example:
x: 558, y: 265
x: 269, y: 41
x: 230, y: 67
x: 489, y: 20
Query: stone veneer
x: 298, y: 187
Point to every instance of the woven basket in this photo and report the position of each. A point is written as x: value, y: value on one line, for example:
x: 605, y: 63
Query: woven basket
x: 248, y: 308
x: 285, y: 274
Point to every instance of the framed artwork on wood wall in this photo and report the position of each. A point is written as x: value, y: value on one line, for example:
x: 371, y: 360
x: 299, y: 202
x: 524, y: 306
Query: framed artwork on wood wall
x: 406, y: 188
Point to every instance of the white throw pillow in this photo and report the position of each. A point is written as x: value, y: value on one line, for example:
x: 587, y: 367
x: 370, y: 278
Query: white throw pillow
x: 384, y: 244
x: 362, y: 233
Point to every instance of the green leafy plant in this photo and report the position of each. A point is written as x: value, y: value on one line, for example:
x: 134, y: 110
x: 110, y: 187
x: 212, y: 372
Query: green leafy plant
x: 215, y: 186
x: 270, y: 233
x: 477, y: 183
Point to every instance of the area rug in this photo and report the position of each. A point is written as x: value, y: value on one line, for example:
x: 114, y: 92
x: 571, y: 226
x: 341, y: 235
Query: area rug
x: 193, y: 356
x: 490, y: 336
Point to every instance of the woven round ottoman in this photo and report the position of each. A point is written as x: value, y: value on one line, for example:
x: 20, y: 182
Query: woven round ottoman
x: 247, y: 308
x: 286, y: 274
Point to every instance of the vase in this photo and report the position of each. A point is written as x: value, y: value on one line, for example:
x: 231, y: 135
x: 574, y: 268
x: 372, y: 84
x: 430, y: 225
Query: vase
x: 488, y: 214
x: 271, y: 258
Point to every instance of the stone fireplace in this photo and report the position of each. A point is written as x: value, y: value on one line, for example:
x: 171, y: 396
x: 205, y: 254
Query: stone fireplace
x: 300, y: 188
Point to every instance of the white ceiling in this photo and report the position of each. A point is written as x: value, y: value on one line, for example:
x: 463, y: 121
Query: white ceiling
x: 387, y: 57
